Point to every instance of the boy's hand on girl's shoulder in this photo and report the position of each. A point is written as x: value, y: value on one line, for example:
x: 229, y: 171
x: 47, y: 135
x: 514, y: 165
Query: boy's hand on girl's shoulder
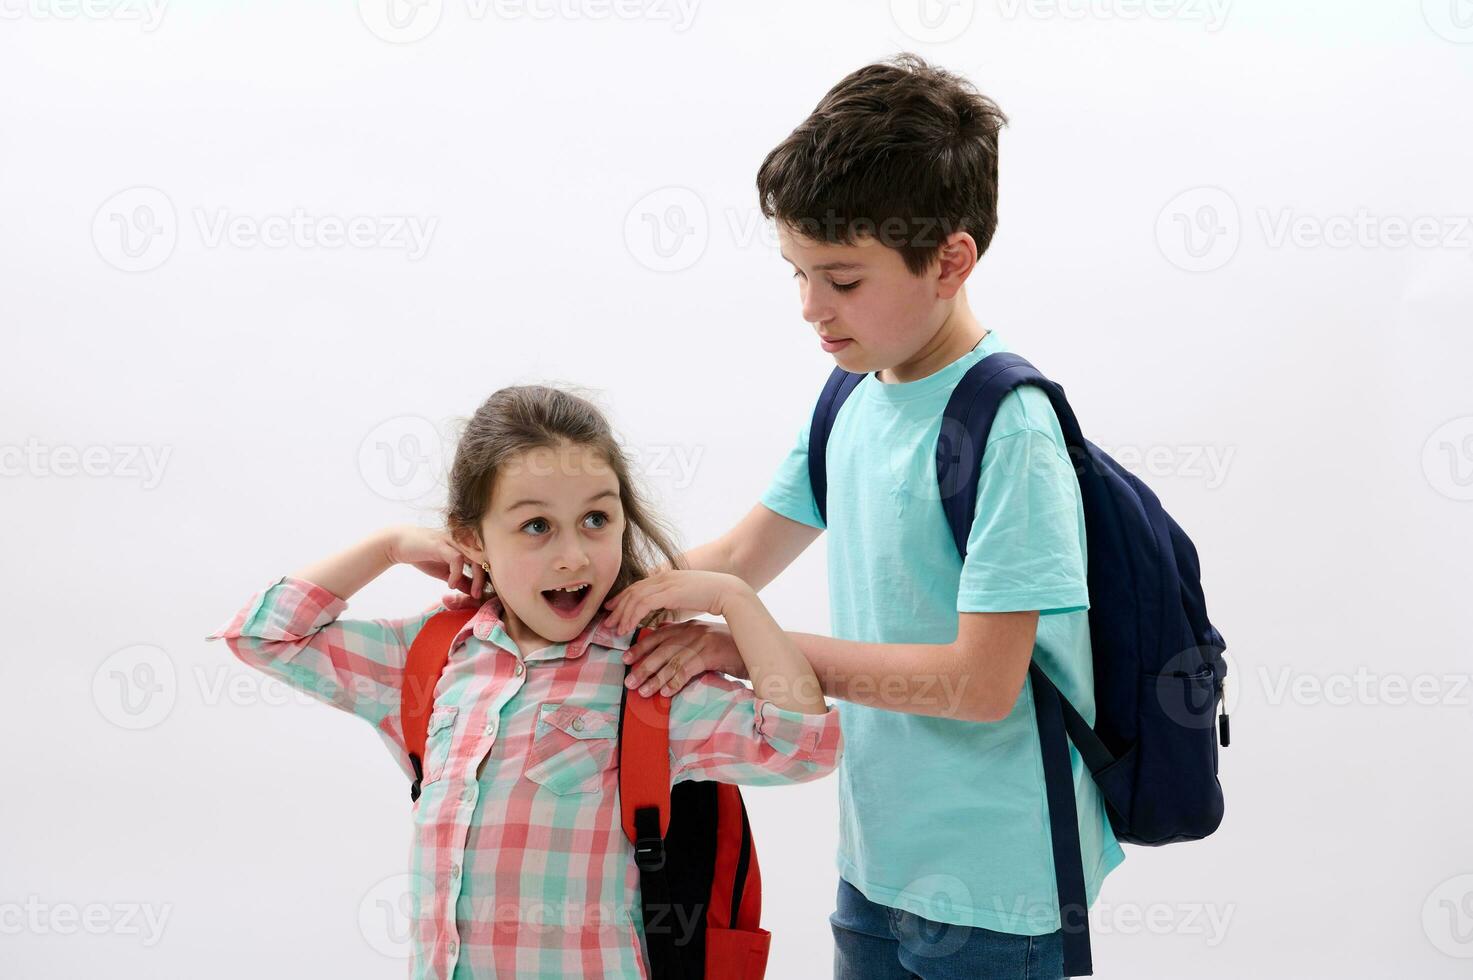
x: 666, y: 659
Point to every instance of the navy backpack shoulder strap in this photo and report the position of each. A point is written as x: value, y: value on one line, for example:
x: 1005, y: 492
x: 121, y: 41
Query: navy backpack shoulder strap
x: 959, y: 449
x: 840, y: 385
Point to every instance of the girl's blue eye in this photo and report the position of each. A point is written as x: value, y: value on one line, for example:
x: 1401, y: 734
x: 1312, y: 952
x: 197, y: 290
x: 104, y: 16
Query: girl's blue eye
x: 603, y: 519
x: 535, y: 521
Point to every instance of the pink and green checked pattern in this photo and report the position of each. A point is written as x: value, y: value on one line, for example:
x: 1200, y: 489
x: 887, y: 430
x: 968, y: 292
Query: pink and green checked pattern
x: 520, y: 868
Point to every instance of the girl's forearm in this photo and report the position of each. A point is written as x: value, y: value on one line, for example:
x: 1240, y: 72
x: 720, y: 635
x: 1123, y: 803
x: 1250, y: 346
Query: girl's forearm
x: 778, y: 670
x: 349, y: 570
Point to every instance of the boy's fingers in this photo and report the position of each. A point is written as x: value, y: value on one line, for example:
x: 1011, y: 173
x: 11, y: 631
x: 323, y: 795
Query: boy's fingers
x: 650, y: 640
x: 669, y: 678
x: 652, y: 660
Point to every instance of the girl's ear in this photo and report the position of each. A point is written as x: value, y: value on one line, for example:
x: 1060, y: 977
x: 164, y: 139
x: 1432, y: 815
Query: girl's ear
x: 470, y: 540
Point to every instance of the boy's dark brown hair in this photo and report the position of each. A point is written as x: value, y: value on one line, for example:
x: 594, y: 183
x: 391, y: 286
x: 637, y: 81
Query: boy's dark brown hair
x: 899, y: 151
x: 525, y: 417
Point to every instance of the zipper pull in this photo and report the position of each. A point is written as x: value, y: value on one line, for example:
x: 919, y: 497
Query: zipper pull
x: 1224, y: 732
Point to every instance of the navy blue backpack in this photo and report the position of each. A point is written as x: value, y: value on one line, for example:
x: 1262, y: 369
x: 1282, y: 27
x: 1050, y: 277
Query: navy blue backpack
x: 1158, y: 663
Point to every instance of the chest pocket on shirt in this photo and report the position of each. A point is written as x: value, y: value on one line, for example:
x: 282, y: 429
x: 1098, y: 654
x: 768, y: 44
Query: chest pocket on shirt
x: 437, y: 740
x: 572, y: 747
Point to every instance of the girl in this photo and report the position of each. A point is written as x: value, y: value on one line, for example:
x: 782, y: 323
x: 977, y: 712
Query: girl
x: 520, y: 866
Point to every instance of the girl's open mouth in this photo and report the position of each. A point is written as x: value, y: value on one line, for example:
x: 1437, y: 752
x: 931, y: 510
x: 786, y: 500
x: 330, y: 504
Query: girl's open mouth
x: 567, y: 603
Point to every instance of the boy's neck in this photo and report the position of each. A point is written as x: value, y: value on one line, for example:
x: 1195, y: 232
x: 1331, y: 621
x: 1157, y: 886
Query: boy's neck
x: 959, y: 333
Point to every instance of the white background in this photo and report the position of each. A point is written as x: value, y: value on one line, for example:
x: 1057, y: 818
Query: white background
x: 1300, y: 400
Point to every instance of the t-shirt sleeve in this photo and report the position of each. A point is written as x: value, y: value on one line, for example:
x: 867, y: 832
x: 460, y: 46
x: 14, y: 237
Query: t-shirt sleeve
x: 1026, y: 548
x: 790, y: 493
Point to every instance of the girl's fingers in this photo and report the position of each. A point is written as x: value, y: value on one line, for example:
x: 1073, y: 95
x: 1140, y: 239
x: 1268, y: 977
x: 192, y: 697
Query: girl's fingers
x: 456, y: 564
x: 628, y: 601
x: 640, y: 609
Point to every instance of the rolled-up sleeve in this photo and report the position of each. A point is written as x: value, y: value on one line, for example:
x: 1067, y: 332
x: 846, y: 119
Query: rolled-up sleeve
x: 720, y: 730
x: 291, y: 631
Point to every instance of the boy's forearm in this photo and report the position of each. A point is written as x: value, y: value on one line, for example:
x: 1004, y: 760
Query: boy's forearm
x: 935, y: 679
x: 779, y: 671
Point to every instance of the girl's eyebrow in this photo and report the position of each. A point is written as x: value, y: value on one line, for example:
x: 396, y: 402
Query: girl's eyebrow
x: 542, y: 503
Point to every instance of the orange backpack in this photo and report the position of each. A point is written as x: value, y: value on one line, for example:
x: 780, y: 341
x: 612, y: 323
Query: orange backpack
x: 700, y: 887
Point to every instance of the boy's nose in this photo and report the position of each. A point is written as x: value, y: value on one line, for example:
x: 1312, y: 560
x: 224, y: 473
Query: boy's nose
x: 814, y: 311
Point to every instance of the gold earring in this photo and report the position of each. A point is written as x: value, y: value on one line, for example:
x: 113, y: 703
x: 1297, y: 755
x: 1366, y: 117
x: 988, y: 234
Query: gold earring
x: 486, y: 567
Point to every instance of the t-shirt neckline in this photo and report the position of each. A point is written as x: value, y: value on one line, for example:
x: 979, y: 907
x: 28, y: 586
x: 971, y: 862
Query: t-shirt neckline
x: 943, y: 379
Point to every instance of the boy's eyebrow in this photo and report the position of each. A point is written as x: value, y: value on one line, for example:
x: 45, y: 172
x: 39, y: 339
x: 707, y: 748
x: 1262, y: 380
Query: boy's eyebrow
x: 542, y: 503
x: 826, y: 266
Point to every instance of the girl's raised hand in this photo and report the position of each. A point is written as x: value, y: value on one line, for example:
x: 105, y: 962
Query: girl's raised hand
x: 674, y: 589
x: 434, y: 552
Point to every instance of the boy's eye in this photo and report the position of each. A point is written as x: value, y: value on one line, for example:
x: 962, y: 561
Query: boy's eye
x: 599, y: 517
x: 842, y: 287
x: 536, y: 522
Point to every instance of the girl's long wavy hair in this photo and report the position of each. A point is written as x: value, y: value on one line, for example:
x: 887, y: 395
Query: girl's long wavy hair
x: 526, y: 417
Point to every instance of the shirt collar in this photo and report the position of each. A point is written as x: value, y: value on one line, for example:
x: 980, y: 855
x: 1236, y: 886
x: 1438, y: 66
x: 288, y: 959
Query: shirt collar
x: 488, y: 620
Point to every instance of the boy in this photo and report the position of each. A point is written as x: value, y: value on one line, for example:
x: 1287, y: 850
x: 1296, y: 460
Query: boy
x: 884, y: 198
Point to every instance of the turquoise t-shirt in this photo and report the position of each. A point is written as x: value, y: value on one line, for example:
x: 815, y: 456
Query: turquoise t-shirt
x: 942, y: 818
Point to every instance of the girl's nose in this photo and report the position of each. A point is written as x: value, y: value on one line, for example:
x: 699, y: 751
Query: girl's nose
x: 572, y: 559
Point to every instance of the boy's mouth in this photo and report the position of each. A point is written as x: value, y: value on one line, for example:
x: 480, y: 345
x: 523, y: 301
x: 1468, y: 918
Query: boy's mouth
x: 567, y: 602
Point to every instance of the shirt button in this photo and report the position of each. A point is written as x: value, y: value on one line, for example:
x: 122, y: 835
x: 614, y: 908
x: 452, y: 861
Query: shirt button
x: 491, y: 728
x: 450, y: 948
x: 519, y: 670
x: 577, y: 724
x: 455, y: 871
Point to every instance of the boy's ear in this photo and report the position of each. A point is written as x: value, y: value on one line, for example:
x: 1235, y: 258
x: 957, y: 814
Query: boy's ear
x: 957, y: 259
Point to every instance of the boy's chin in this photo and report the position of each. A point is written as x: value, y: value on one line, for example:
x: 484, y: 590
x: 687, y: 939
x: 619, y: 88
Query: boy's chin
x: 853, y: 360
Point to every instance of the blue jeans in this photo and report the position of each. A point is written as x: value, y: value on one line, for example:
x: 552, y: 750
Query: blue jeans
x: 876, y: 942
